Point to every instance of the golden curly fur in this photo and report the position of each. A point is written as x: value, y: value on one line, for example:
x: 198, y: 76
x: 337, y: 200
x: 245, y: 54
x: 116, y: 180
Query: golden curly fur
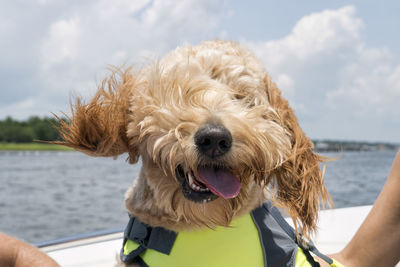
x: 154, y: 113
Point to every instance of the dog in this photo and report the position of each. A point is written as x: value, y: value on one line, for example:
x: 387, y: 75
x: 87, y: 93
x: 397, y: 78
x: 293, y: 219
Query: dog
x: 214, y: 134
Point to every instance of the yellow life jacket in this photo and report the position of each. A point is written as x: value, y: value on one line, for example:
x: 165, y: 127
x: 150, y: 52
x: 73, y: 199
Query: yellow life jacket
x: 257, y: 239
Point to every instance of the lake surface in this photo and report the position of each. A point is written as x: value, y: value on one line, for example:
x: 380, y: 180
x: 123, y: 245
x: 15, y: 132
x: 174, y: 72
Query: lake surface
x: 49, y: 195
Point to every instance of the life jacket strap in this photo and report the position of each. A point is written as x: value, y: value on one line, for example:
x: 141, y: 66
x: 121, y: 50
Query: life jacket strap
x: 310, y: 247
x: 306, y: 246
x: 156, y: 238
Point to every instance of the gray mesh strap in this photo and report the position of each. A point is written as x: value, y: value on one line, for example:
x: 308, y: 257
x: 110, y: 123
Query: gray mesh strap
x: 305, y: 246
x: 147, y: 237
x: 279, y: 239
x: 279, y: 248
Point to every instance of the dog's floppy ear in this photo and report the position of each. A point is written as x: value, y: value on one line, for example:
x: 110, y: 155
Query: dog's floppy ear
x: 300, y: 186
x: 99, y: 127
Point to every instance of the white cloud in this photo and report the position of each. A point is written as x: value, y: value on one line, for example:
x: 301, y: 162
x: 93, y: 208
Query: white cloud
x: 287, y: 82
x: 335, y: 76
x: 4, y: 25
x: 369, y: 86
x: 31, y: 106
x: 62, y: 42
x: 313, y: 35
x: 76, y: 50
x: 107, y: 10
x: 44, y: 2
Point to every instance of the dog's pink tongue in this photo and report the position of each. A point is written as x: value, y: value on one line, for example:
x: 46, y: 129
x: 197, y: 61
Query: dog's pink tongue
x: 221, y: 182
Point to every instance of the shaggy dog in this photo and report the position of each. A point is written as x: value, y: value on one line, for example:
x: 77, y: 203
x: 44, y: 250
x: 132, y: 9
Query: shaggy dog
x: 214, y: 134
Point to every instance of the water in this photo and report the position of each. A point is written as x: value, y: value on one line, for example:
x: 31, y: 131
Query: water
x: 48, y: 195
x: 357, y: 178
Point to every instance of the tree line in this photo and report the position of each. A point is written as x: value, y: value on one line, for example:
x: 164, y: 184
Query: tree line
x: 34, y: 128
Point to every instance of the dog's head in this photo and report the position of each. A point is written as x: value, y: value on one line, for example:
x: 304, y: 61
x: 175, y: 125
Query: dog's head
x: 213, y: 133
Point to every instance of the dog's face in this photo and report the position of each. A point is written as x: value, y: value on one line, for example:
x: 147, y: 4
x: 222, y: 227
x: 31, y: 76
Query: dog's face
x: 208, y: 138
x: 212, y: 131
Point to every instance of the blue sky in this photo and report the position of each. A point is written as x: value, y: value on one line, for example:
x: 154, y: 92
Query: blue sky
x: 337, y: 62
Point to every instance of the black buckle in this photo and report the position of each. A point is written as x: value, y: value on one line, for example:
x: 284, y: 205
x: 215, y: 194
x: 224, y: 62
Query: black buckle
x: 138, y: 232
x: 156, y: 238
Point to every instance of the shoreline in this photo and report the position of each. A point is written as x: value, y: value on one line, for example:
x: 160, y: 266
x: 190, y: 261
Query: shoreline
x: 320, y: 146
x: 32, y: 147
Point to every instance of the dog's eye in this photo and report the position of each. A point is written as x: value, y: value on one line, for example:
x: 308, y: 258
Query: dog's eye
x: 248, y: 101
x: 214, y: 73
x: 238, y: 96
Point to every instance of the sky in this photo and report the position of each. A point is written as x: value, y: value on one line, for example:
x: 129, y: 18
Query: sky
x: 337, y: 62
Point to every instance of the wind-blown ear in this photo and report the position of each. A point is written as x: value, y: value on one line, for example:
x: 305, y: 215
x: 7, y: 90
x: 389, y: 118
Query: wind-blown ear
x: 301, y: 188
x: 99, y: 127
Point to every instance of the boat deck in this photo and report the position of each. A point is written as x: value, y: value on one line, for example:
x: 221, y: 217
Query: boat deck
x: 335, y: 229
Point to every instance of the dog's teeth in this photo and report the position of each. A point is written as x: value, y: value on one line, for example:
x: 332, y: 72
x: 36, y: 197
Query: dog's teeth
x: 194, y: 186
x: 190, y: 179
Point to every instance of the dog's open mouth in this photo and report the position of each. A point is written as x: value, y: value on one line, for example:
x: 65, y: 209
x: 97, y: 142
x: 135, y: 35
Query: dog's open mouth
x: 208, y: 183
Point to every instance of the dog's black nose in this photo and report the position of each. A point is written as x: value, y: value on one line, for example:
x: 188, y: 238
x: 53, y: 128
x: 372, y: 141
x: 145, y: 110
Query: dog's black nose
x: 213, y: 140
